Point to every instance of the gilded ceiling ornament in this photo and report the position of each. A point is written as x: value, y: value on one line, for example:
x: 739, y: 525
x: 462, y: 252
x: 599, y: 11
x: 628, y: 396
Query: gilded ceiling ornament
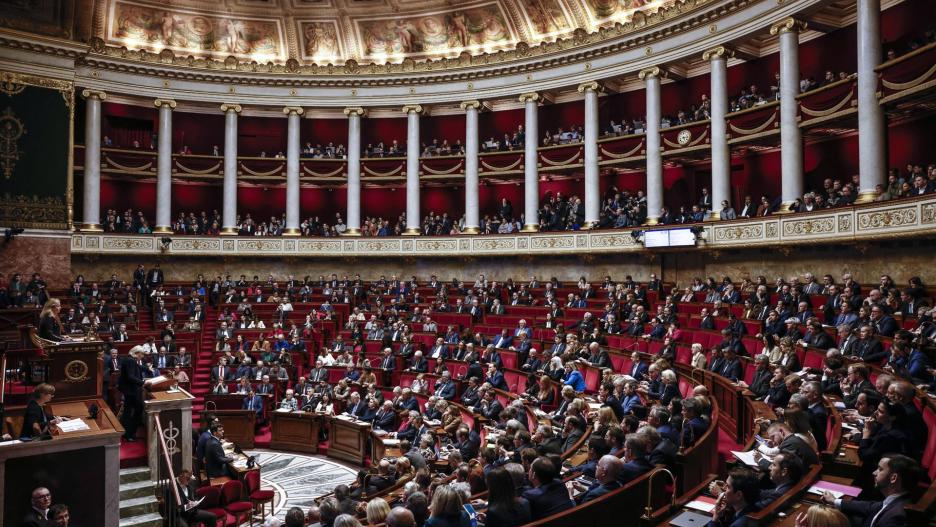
x: 11, y: 130
x: 9, y: 87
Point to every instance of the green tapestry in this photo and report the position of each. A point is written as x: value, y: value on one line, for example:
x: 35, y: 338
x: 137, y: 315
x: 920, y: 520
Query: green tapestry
x: 35, y: 123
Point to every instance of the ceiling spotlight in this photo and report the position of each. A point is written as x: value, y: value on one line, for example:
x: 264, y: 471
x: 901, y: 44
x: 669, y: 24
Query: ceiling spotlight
x: 8, y: 234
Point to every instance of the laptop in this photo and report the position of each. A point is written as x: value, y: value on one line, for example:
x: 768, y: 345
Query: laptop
x: 690, y: 519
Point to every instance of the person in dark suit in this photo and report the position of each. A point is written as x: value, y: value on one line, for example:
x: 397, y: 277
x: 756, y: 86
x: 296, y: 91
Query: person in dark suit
x: 185, y: 486
x: 445, y: 387
x: 635, y: 459
x: 548, y: 495
x: 50, y: 325
x: 216, y: 463
x: 468, y: 442
x: 741, y: 491
x: 607, y: 471
x: 639, y: 367
x: 130, y: 384
x: 35, y: 421
x: 868, y: 348
x: 817, y: 413
x: 760, y: 384
x: 785, y: 471
x: 385, y: 418
x: 790, y: 443
x: 356, y: 407
x: 254, y: 402
x: 38, y: 515
x: 693, y: 424
x: 884, y: 324
x: 731, y: 367
x: 895, y: 476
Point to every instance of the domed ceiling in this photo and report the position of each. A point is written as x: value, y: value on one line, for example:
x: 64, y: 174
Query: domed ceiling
x: 367, y: 31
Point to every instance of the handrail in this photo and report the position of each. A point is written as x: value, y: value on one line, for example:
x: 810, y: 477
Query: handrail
x: 164, y: 450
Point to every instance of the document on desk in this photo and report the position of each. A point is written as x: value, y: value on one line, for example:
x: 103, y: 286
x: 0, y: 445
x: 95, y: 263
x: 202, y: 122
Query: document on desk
x: 745, y: 457
x: 72, y: 425
x: 702, y: 503
x: 836, y: 489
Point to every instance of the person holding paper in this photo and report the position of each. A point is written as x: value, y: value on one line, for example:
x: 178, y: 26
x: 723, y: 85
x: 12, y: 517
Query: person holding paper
x: 188, y: 511
x: 895, y: 476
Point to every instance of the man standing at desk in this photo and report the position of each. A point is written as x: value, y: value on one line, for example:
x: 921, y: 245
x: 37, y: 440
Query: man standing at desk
x: 130, y: 384
x: 216, y: 463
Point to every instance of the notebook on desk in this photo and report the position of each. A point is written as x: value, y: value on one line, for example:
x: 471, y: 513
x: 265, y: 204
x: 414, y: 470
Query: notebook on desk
x: 690, y: 519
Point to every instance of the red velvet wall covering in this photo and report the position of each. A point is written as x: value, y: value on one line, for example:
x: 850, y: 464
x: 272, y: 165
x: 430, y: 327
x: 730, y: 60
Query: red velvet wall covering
x: 442, y: 127
x: 376, y: 129
x: 261, y: 134
x: 200, y: 132
x: 324, y: 131
x: 496, y: 124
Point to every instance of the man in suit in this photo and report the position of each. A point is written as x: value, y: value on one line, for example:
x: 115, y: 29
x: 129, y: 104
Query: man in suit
x: 503, y: 341
x: 748, y: 209
x: 789, y: 443
x: 496, y: 378
x: 439, y: 350
x: 468, y: 442
x: 731, y: 367
x: 221, y: 371
x: 445, y: 387
x: 635, y: 459
x: 385, y: 419
x: 154, y: 279
x: 572, y: 431
x: 254, y: 402
x: 740, y: 493
x: 884, y: 324
x: 185, y: 486
x: 38, y: 515
x: 707, y: 322
x: 895, y: 477
x: 606, y: 472
x: 216, y: 462
x: 868, y: 348
x: 489, y: 406
x: 855, y: 382
x: 130, y: 384
x: 785, y: 471
x: 760, y: 384
x: 319, y: 373
x: 548, y: 495
x: 419, y: 363
x: 638, y: 367
x: 356, y: 407
x: 817, y: 413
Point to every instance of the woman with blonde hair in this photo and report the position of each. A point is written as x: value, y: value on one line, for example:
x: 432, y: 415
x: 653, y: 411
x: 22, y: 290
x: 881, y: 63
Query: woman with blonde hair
x: 603, y: 420
x: 446, y: 509
x: 788, y: 358
x: 377, y: 511
x: 698, y: 360
x: 821, y: 516
x: 50, y: 325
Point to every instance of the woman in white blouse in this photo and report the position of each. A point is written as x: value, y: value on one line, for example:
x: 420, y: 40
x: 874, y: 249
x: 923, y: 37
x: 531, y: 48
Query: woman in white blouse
x: 325, y: 406
x: 698, y: 361
x: 420, y: 385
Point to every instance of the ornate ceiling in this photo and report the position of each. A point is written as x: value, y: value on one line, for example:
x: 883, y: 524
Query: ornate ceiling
x: 367, y: 31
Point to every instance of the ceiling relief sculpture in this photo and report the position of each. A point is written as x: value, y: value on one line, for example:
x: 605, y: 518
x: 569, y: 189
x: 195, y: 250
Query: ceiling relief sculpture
x: 367, y: 31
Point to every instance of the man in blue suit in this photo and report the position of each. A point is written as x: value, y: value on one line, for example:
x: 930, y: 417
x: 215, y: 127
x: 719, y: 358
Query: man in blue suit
x: 254, y: 402
x: 635, y: 459
x: 356, y: 407
x: 503, y: 341
x: 496, y: 378
x: 606, y: 472
x: 884, y: 324
x: 895, y: 477
x: 444, y: 387
x: 737, y: 500
x: 548, y: 495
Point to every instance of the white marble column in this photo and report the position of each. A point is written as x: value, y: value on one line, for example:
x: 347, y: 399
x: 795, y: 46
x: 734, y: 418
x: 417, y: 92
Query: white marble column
x: 530, y: 163
x: 412, y: 112
x: 472, y: 206
x: 872, y: 155
x: 92, y: 161
x: 651, y: 76
x: 292, y: 170
x: 592, y: 190
x: 229, y: 200
x: 353, y: 219
x: 164, y: 167
x: 791, y: 140
x: 721, y: 158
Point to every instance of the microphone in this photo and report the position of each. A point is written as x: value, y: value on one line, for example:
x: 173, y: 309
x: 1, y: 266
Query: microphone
x: 93, y: 411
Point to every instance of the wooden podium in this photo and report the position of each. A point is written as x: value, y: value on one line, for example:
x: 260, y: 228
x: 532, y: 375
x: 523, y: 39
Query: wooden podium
x: 73, y: 367
x: 81, y: 468
x: 297, y: 431
x: 239, y: 426
x: 174, y: 411
x: 347, y: 439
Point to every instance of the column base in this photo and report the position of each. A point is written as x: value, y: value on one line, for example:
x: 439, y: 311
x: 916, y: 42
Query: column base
x: 714, y: 216
x: 91, y: 227
x: 291, y: 231
x: 785, y: 207
x: 652, y: 221
x: 162, y: 229
x: 866, y: 196
x: 589, y: 225
x: 351, y: 232
x: 530, y: 227
x: 229, y: 231
x: 471, y: 230
x: 412, y: 231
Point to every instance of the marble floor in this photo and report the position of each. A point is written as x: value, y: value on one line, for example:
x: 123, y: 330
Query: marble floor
x: 298, y: 479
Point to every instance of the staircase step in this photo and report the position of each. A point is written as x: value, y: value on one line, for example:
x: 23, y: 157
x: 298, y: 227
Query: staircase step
x: 131, y: 475
x: 138, y: 506
x: 136, y: 489
x: 144, y: 520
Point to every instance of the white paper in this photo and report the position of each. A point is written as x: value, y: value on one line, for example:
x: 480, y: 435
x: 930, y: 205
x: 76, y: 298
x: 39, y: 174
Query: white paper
x: 703, y: 506
x: 745, y: 457
x: 819, y: 491
x: 192, y: 504
x: 72, y: 425
x: 13, y: 442
x: 840, y: 405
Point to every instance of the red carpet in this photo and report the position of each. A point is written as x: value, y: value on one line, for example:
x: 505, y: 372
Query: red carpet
x: 262, y: 437
x: 725, y: 445
x: 133, y: 454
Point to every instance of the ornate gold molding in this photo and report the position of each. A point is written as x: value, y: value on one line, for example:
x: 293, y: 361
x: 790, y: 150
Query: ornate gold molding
x: 229, y: 107
x: 718, y: 52
x: 293, y: 110
x: 530, y: 96
x: 652, y: 72
x: 356, y: 110
x: 589, y: 86
x: 171, y: 104
x: 415, y: 108
x: 470, y: 104
x: 788, y: 25
x: 87, y: 94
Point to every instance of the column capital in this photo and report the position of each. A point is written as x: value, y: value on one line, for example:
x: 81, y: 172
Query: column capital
x: 413, y: 108
x: 159, y: 103
x: 718, y: 52
x: 589, y: 86
x: 355, y: 110
x: 651, y: 72
x: 476, y: 104
x: 788, y: 25
x: 87, y: 94
x: 530, y: 96
x: 231, y: 107
x: 288, y: 110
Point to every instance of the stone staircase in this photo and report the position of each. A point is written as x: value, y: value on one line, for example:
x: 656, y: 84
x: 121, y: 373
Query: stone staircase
x: 138, y: 504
